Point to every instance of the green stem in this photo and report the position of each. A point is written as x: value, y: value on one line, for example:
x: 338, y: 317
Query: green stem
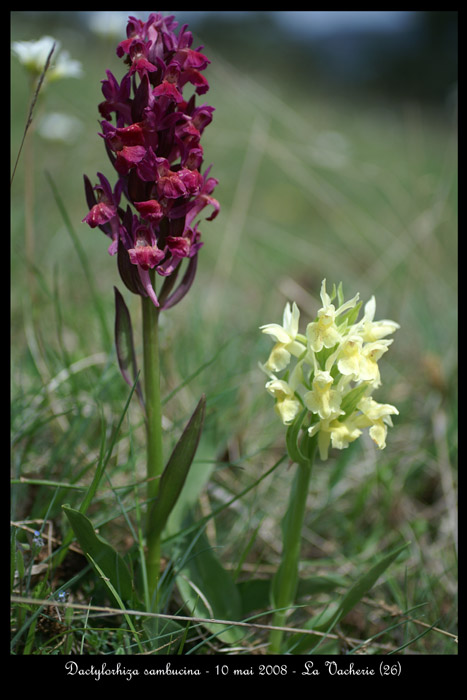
x: 286, y: 579
x: 155, y: 461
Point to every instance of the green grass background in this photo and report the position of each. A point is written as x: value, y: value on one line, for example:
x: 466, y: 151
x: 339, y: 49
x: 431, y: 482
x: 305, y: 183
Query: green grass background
x: 311, y: 186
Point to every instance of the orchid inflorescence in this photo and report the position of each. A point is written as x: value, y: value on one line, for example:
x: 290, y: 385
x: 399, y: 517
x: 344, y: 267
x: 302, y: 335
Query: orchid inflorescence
x: 154, y: 146
x: 335, y: 373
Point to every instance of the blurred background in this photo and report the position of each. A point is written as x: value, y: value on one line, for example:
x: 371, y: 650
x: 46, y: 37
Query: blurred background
x: 334, y: 141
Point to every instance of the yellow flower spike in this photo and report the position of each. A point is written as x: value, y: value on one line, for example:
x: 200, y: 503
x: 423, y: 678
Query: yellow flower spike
x: 322, y: 399
x: 327, y: 395
x: 336, y: 373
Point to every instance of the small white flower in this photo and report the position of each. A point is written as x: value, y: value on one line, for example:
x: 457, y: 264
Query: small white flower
x: 33, y: 56
x: 65, y: 67
x: 56, y: 126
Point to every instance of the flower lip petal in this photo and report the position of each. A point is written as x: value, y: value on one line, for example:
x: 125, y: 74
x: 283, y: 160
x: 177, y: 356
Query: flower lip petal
x: 277, y: 331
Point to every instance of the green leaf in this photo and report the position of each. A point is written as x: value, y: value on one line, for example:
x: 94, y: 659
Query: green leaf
x: 195, y: 482
x: 351, y: 399
x: 351, y: 315
x: 209, y: 591
x: 254, y: 594
x: 326, y: 621
x: 124, y: 344
x: 120, y: 602
x: 176, y: 470
x: 313, y: 585
x: 98, y: 550
x: 361, y: 587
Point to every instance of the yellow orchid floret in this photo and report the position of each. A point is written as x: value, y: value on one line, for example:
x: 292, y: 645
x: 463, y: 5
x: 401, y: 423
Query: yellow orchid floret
x: 333, y: 432
x: 322, y: 399
x: 350, y: 356
x: 287, y: 405
x: 336, y: 372
x: 287, y: 342
x: 371, y: 353
x: 361, y: 360
x: 324, y: 332
x: 378, y: 416
x: 371, y: 331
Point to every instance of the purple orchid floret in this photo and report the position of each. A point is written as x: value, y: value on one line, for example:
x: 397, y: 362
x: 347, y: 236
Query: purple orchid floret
x: 152, y: 134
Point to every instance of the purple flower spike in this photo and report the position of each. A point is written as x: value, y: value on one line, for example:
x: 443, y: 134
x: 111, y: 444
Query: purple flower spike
x: 152, y: 131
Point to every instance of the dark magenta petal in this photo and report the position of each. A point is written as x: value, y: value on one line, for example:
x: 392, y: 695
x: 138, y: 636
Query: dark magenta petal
x: 100, y: 214
x: 146, y: 256
x: 150, y: 210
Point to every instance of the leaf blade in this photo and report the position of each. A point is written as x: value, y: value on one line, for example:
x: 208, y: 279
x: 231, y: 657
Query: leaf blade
x: 176, y: 470
x: 97, y: 549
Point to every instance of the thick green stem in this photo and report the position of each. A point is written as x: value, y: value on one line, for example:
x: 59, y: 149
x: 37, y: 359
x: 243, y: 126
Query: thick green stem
x: 155, y: 460
x: 286, y: 579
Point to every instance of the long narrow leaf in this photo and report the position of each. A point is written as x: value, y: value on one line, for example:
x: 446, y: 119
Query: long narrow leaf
x: 209, y: 591
x: 361, y: 587
x: 328, y: 619
x: 99, y: 550
x: 176, y: 470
